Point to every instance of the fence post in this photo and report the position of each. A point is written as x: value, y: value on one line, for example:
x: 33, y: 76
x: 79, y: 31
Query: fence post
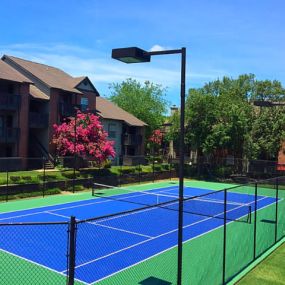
x: 153, y: 178
x: 225, y: 237
x: 7, y: 179
x: 170, y: 169
x: 74, y: 167
x: 255, y: 222
x: 276, y: 210
x: 120, y: 173
x: 44, y: 176
x: 71, y: 249
x: 139, y: 173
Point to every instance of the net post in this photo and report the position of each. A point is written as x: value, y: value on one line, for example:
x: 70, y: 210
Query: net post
x: 225, y: 237
x: 93, y: 190
x: 255, y: 221
x: 71, y: 250
x: 276, y: 209
x: 249, y: 216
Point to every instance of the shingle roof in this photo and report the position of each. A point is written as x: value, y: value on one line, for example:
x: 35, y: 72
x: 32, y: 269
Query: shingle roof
x: 109, y: 110
x: 51, y: 76
x: 37, y: 93
x: 9, y: 73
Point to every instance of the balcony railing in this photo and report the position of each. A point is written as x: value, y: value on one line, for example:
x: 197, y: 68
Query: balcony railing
x: 38, y: 120
x: 68, y: 110
x: 9, y: 135
x: 9, y: 102
x: 131, y: 139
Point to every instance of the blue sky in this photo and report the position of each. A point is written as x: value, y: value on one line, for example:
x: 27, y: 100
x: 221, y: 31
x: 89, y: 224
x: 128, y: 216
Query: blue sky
x: 222, y: 37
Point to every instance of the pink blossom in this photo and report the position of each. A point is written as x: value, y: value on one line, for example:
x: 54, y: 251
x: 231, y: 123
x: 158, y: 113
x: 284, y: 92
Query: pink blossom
x: 89, y: 138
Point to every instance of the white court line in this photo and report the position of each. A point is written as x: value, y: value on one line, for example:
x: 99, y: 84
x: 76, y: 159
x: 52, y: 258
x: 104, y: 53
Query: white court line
x: 54, y: 205
x: 77, y: 206
x: 113, y: 228
x: 152, y: 256
x: 156, y: 237
x: 38, y: 264
x: 121, y: 230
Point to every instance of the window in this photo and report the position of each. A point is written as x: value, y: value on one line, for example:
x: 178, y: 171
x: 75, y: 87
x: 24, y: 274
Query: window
x: 112, y: 131
x: 84, y: 104
x: 10, y: 88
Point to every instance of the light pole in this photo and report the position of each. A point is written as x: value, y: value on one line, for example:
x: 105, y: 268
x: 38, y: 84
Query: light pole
x: 75, y: 155
x: 137, y: 55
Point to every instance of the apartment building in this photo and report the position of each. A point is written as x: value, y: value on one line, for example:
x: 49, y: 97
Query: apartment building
x: 40, y: 96
x: 14, y: 106
x: 125, y: 129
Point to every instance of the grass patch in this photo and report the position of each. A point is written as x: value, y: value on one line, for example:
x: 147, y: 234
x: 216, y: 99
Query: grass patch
x: 269, y: 272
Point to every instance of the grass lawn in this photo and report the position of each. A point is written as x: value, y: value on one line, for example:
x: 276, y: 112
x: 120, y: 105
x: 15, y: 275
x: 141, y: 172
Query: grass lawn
x: 269, y: 272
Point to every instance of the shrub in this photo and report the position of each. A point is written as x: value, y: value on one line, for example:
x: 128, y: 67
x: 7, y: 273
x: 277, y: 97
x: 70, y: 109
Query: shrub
x: 107, y: 164
x: 127, y: 170
x: 27, y: 178
x: 70, y: 174
x: 15, y: 178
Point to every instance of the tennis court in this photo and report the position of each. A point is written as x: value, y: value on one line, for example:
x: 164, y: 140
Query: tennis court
x: 117, y: 231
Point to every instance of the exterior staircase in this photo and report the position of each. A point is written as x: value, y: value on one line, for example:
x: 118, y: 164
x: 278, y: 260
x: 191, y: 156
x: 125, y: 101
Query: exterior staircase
x: 48, y: 164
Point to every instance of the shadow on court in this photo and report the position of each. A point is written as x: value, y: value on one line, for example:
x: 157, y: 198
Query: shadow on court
x: 268, y: 221
x: 154, y: 281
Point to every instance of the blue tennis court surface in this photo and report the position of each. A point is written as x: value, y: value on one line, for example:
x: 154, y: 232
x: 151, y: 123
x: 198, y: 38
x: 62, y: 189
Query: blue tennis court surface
x: 108, y: 245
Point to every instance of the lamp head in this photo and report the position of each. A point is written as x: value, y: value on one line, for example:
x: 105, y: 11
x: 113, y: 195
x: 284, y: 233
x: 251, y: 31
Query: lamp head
x: 131, y: 55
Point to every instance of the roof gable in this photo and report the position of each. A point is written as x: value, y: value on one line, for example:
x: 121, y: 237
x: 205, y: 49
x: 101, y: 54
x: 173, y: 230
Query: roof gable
x: 109, y: 110
x: 9, y: 73
x: 50, y: 76
x: 83, y: 83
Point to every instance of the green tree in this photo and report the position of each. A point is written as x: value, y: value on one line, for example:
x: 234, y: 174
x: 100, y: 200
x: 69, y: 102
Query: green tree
x: 145, y: 101
x: 221, y: 117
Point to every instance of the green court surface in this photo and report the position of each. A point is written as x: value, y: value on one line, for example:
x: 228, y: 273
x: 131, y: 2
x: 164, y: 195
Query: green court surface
x: 202, y: 256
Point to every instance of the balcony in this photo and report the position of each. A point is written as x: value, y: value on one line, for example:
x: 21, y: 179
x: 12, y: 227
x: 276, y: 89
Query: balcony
x: 38, y: 120
x: 131, y: 139
x: 9, y: 135
x: 68, y: 110
x: 9, y: 102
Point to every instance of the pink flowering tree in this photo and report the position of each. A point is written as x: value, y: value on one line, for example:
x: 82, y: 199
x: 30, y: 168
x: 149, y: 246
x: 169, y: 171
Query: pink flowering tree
x: 87, y: 138
x: 155, y: 140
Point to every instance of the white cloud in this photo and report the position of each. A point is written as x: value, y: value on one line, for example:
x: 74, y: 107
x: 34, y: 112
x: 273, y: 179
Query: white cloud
x: 102, y: 70
x: 157, y: 48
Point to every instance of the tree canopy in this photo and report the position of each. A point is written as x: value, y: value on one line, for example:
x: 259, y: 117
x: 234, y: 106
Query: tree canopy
x: 221, y: 116
x: 145, y: 101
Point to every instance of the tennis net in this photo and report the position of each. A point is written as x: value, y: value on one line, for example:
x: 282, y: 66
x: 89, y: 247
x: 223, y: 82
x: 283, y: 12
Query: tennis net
x: 211, y: 204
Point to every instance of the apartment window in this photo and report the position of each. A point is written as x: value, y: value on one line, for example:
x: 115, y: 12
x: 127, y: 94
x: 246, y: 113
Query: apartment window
x: 112, y: 131
x: 10, y: 88
x: 84, y: 104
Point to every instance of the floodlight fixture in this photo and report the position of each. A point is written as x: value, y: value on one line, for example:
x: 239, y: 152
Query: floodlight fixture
x: 131, y: 55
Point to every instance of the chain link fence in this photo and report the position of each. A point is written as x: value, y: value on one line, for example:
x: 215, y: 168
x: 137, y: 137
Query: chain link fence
x: 223, y: 233
x: 26, y: 177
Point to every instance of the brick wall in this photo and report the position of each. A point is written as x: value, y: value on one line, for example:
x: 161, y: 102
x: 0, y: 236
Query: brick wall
x: 24, y: 121
x: 53, y: 117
